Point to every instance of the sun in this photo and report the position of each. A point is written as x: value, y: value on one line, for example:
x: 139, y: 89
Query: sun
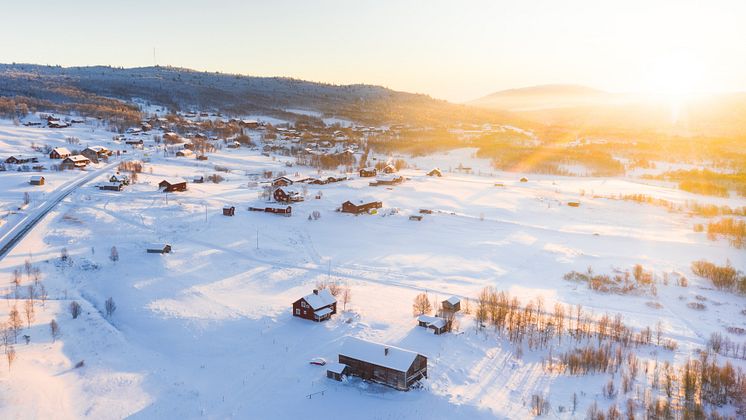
x: 675, y: 76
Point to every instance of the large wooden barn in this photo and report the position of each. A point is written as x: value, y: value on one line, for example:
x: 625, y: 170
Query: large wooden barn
x: 384, y: 364
x: 317, y: 306
x: 350, y: 207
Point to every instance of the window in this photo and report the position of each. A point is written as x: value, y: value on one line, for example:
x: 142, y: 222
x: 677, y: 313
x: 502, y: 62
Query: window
x: 297, y: 311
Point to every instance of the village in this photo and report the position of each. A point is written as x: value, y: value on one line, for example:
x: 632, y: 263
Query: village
x: 292, y: 260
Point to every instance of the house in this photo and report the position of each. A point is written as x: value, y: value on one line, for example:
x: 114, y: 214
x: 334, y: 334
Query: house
x: 416, y: 218
x: 229, y: 211
x: 282, y: 181
x: 199, y: 179
x: 184, y: 153
x: 336, y: 371
x: 57, y: 124
x: 134, y: 142
x: 573, y: 203
x: 75, y: 161
x: 287, y: 196
x: 94, y: 153
x: 172, y: 185
x: 387, y: 180
x: 426, y: 211
x: 111, y: 186
x: 59, y: 153
x: 249, y: 123
x: 233, y: 145
x: 435, y: 323
x: 122, y: 179
x: 37, y: 180
x: 368, y: 172
x: 159, y: 249
x: 388, y: 365
x: 201, y: 157
x: 21, y: 159
x: 350, y: 207
x: 317, y: 306
x: 524, y: 179
x: 389, y: 169
x: 435, y: 172
x: 452, y: 304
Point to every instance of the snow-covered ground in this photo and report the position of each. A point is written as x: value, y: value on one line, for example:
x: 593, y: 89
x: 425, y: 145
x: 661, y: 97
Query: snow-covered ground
x: 207, y: 331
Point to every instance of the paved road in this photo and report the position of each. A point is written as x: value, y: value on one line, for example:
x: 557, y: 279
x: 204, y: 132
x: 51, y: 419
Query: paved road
x: 17, y: 230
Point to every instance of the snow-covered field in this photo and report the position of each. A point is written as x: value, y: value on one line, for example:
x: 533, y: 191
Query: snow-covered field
x: 207, y: 331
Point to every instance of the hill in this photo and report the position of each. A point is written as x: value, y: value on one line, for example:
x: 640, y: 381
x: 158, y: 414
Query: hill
x: 180, y: 89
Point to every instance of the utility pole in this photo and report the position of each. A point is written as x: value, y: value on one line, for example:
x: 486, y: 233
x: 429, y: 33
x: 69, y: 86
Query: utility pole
x: 257, y: 238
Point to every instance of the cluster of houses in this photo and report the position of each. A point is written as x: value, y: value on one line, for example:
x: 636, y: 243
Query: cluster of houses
x: 376, y: 362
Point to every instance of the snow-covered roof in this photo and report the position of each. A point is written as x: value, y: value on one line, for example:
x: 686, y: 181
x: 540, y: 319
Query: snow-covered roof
x: 335, y: 367
x: 453, y: 300
x: 78, y: 158
x: 36, y: 177
x: 323, y: 312
x: 61, y: 150
x: 395, y: 358
x: 323, y: 298
x: 435, y: 321
x: 172, y: 181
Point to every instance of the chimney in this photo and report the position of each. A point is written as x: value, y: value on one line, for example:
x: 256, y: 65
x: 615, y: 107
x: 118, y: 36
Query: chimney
x: 386, y: 351
x: 315, y: 291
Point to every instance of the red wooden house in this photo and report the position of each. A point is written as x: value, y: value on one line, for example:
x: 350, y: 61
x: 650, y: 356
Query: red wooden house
x: 350, y: 207
x: 318, y: 306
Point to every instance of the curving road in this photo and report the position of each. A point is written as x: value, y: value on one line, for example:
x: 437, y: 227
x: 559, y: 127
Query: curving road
x: 14, y: 232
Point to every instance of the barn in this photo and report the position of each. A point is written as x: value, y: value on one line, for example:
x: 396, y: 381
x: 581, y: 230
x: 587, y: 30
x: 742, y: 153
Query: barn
x: 172, y: 185
x: 59, y: 153
x: 388, y: 365
x: 350, y: 207
x: 317, y: 306
x: 21, y: 159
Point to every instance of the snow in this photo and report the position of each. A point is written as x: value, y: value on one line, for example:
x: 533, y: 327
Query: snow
x: 383, y: 355
x: 335, y: 367
x: 207, y: 331
x: 432, y: 320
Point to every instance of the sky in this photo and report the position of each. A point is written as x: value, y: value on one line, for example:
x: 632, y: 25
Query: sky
x: 454, y: 50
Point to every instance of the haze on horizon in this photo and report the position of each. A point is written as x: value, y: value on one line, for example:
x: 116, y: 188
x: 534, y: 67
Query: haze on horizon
x: 455, y: 51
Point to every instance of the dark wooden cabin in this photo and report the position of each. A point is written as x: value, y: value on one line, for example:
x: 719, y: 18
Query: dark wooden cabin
x: 285, y: 211
x: 435, y: 172
x: 388, y: 365
x: 350, y: 207
x: 368, y: 172
x: 435, y: 323
x: 287, y: 196
x: 229, y: 211
x: 317, y: 306
x: 171, y: 185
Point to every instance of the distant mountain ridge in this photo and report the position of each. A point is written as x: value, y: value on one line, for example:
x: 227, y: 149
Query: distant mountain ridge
x: 542, y: 96
x: 179, y: 88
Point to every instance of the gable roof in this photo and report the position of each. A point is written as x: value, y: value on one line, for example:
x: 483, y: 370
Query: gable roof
x: 78, y: 158
x: 61, y: 150
x: 172, y: 181
x: 453, y: 300
x: 375, y: 353
x: 434, y: 321
x: 324, y: 298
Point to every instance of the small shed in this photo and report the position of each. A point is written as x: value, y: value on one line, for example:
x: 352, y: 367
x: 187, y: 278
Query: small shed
x: 159, y: 249
x: 524, y: 179
x: 229, y: 211
x: 336, y: 370
x: 574, y: 203
x: 416, y: 218
x: 199, y: 179
x: 37, y: 180
x: 452, y: 304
